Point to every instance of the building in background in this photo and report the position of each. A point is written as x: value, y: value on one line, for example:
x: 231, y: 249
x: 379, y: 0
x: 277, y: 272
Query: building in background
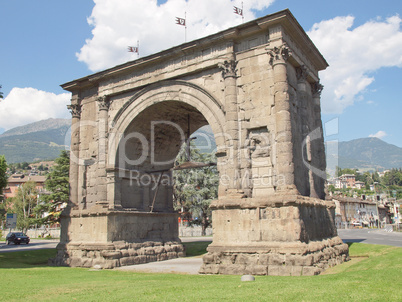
x: 17, y: 180
x: 362, y: 212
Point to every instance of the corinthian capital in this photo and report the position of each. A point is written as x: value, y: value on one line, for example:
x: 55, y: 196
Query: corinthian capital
x: 228, y: 68
x: 278, y: 54
x: 301, y: 73
x: 103, y: 102
x: 316, y: 89
x: 75, y: 110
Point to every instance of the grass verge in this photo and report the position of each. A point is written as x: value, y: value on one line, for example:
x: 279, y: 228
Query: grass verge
x: 24, y: 276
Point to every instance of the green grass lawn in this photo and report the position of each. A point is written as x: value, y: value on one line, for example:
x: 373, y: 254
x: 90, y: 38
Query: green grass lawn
x: 373, y: 274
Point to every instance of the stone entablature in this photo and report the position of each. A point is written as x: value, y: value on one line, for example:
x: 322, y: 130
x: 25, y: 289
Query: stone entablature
x: 257, y: 86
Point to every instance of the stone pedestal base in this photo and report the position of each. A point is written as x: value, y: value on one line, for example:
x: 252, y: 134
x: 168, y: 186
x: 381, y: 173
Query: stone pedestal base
x: 299, y: 259
x: 117, y: 238
x: 285, y: 235
x: 116, y: 254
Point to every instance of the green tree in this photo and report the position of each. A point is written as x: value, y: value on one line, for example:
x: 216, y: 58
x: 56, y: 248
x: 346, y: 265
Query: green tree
x: 3, y: 175
x: 331, y: 188
x: 57, y: 183
x: 393, y: 178
x: 12, y: 168
x: 1, y: 93
x: 340, y: 171
x: 194, y: 189
x: 24, y: 205
x: 23, y: 166
x: 375, y: 177
x: 3, y: 184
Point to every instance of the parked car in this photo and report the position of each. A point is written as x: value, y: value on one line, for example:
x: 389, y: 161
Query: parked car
x: 17, y: 238
x: 357, y: 224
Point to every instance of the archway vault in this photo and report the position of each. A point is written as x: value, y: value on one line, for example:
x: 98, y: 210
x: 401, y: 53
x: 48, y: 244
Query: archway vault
x: 172, y: 91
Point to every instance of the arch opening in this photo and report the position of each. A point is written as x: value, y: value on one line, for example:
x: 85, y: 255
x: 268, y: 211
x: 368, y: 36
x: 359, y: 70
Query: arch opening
x: 147, y: 152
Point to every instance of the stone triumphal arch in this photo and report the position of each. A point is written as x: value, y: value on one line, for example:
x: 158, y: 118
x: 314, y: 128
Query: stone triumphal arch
x: 257, y: 86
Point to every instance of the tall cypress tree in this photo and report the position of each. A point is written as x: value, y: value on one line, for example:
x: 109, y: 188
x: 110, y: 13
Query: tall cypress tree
x: 3, y: 184
x: 3, y: 175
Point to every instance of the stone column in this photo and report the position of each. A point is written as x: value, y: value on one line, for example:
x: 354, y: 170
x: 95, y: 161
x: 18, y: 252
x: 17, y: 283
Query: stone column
x: 319, y: 143
x: 302, y: 73
x: 232, y: 129
x: 103, y: 104
x: 113, y: 189
x: 75, y: 109
x: 284, y: 145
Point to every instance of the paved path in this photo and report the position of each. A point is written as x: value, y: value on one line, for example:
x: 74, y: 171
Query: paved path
x: 190, y: 265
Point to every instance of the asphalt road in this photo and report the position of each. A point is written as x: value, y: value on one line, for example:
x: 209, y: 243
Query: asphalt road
x: 351, y: 235
x: 371, y: 236
x: 35, y: 244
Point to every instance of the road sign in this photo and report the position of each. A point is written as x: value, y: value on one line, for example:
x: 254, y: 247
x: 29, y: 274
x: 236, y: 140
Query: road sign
x: 11, y: 222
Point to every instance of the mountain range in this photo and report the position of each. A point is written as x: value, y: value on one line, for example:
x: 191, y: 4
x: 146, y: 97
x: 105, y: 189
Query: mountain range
x: 37, y: 141
x: 364, y: 154
x: 45, y: 139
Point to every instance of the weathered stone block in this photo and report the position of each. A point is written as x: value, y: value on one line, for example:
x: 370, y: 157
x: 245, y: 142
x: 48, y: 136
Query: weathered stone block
x: 208, y: 258
x: 232, y: 269
x: 111, y: 254
x: 171, y: 255
x: 140, y: 259
x: 273, y: 270
x: 264, y: 259
x: 311, y: 271
x: 297, y: 270
x: 256, y: 269
x: 277, y: 259
x: 161, y: 257
x: 149, y: 251
x: 285, y: 270
x: 127, y: 261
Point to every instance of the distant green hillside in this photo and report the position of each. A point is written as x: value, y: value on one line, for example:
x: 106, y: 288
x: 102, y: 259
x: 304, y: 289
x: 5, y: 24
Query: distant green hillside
x: 365, y: 154
x: 372, y: 152
x: 37, y: 141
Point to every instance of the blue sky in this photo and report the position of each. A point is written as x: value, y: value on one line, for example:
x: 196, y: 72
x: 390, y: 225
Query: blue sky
x: 46, y: 43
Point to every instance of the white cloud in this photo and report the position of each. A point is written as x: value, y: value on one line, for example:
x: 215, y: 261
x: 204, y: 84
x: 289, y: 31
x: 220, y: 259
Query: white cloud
x: 26, y: 105
x: 380, y: 134
x: 118, y: 24
x: 353, y: 55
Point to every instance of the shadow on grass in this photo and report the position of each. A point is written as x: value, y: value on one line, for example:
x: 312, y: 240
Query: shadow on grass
x: 352, y: 240
x: 194, y: 249
x: 26, y: 259
x: 354, y: 254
